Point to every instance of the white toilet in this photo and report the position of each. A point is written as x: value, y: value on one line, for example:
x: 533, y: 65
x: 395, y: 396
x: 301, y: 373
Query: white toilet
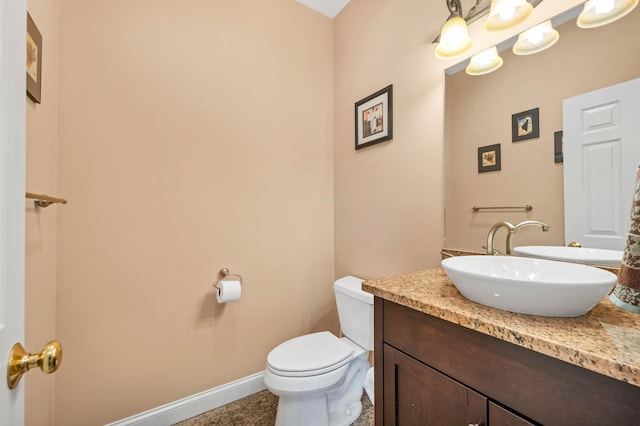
x: 318, y: 377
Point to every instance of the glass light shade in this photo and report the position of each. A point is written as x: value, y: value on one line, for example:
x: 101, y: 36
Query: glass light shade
x: 601, y: 12
x: 454, y: 39
x: 536, y: 39
x: 484, y: 62
x: 507, y: 13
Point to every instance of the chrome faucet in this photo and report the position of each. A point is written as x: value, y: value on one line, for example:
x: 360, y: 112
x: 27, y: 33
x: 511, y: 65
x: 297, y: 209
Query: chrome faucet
x: 511, y: 231
x: 492, y: 235
x: 544, y: 226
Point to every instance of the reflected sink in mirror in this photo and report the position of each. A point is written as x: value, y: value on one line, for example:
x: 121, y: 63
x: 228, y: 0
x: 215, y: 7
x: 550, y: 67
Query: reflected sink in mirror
x: 529, y: 286
x: 592, y: 256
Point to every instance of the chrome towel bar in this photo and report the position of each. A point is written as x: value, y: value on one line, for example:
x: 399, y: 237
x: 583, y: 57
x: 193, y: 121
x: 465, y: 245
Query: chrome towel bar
x: 526, y: 207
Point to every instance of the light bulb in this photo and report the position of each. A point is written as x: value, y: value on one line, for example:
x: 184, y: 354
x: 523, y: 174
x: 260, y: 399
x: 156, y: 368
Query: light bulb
x: 484, y: 62
x: 507, y: 13
x: 600, y: 12
x: 534, y: 36
x: 454, y: 39
x: 536, y: 39
x: 604, y: 6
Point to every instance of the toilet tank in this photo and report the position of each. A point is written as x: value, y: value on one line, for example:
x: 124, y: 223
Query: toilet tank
x: 355, y: 310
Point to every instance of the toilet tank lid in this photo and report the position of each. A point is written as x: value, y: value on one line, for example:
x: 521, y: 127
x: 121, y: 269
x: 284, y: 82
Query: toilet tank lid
x: 352, y: 286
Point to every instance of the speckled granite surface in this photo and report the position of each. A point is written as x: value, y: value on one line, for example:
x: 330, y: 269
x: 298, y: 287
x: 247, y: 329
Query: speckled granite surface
x: 606, y: 340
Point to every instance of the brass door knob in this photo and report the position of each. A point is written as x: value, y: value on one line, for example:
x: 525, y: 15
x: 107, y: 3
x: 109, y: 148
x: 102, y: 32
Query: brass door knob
x: 574, y: 244
x: 20, y: 361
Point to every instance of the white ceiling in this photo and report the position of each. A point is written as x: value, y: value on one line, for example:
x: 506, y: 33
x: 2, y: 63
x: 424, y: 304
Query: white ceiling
x: 329, y: 8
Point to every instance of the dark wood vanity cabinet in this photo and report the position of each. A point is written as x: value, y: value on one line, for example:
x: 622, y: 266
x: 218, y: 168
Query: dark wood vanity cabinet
x: 433, y: 372
x: 423, y: 396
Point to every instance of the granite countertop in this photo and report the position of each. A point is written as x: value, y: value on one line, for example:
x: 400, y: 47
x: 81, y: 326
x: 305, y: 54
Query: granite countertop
x: 605, y: 340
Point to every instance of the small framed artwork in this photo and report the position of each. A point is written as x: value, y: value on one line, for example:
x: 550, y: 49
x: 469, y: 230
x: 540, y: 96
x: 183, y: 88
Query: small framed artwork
x: 34, y: 61
x: 525, y: 125
x: 557, y: 147
x: 489, y: 158
x: 374, y: 118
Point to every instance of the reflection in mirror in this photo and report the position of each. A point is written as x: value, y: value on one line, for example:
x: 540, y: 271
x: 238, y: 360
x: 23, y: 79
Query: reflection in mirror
x: 592, y: 256
x: 478, y: 113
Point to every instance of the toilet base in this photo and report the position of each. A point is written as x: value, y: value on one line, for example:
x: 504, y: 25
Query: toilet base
x: 340, y: 407
x: 347, y: 415
x: 314, y: 412
x: 345, y: 403
x: 311, y: 411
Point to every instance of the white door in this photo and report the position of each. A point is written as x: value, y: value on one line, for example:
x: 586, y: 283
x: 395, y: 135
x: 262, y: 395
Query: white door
x: 12, y: 204
x: 601, y: 155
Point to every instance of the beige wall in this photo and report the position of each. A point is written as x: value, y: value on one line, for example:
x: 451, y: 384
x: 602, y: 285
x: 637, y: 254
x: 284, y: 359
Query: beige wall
x: 194, y: 135
x: 388, y: 197
x: 40, y: 238
x: 478, y: 113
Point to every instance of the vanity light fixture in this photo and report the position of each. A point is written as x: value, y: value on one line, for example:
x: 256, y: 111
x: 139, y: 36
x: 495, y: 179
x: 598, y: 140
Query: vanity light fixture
x: 454, y: 37
x: 601, y: 12
x: 484, y: 62
x: 507, y: 13
x: 536, y: 39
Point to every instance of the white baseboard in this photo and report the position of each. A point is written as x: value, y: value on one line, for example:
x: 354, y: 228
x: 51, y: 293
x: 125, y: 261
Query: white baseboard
x: 199, y: 403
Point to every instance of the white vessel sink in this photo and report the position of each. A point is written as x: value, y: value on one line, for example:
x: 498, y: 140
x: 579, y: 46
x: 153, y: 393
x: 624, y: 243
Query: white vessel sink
x: 593, y: 256
x: 529, y: 286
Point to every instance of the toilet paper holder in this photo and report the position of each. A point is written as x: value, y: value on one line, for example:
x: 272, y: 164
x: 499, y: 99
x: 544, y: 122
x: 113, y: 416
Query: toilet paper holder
x: 224, y: 272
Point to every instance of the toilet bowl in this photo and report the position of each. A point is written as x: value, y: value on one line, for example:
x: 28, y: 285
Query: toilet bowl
x: 319, y: 378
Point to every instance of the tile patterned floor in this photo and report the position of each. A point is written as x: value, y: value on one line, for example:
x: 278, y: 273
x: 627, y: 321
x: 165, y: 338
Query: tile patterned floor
x: 259, y: 410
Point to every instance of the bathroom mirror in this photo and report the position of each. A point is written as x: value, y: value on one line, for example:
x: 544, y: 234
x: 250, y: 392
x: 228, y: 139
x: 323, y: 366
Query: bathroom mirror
x: 478, y: 115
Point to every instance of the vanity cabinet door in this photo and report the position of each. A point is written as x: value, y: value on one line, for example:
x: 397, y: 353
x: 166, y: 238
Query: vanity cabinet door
x: 416, y: 394
x: 499, y: 416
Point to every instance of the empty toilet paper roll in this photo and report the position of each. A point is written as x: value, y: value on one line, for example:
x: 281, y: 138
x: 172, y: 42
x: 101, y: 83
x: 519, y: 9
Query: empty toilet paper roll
x: 228, y: 291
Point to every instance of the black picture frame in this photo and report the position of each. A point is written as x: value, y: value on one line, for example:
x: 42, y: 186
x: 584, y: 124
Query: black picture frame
x: 557, y: 147
x: 374, y: 118
x: 489, y: 159
x: 525, y: 125
x: 34, y: 61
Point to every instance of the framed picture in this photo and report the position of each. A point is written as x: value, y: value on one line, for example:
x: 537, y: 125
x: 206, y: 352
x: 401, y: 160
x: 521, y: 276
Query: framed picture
x: 525, y: 125
x: 374, y: 118
x: 34, y: 60
x: 489, y: 158
x: 557, y: 147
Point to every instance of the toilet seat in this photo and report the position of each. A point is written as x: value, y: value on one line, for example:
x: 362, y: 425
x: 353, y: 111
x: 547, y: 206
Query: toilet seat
x: 309, y: 355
